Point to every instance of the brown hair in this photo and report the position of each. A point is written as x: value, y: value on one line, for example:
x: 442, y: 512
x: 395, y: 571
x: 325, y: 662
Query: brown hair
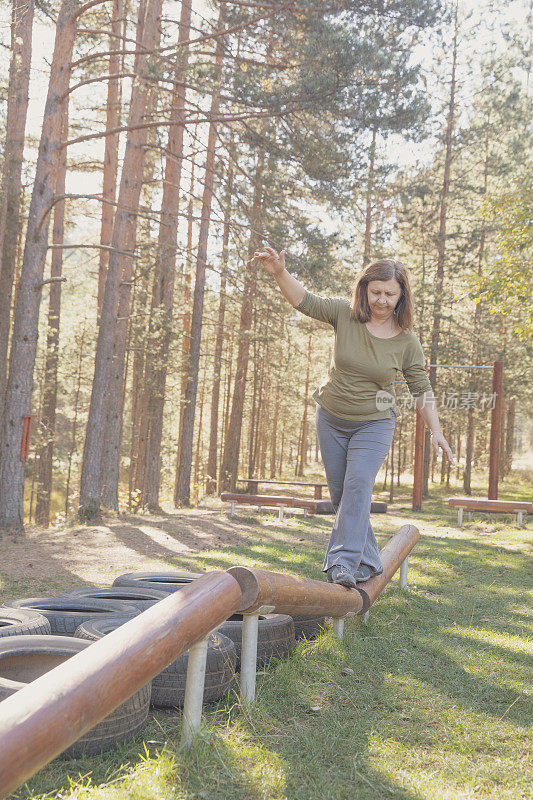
x: 383, y: 270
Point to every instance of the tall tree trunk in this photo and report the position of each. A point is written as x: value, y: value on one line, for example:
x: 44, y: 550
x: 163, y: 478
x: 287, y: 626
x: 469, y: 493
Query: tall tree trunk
x: 443, y: 218
x: 211, y: 482
x: 197, y: 458
x: 303, y: 442
x: 17, y: 107
x: 273, y: 439
x: 73, y: 433
x: 26, y: 320
x: 48, y: 413
x: 369, y: 195
x: 186, y: 305
x: 232, y: 445
x: 164, y: 277
x: 110, y: 346
x: 253, y: 413
x: 110, y: 171
x: 475, y: 349
x: 110, y: 459
x: 182, y: 494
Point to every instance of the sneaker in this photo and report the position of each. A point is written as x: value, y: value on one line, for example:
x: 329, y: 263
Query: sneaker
x: 341, y: 575
x: 363, y: 573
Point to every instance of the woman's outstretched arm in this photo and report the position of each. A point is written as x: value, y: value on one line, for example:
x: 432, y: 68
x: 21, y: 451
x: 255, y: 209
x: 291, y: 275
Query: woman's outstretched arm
x: 291, y: 289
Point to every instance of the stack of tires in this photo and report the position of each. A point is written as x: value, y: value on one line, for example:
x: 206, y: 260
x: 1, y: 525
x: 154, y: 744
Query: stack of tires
x: 38, y: 633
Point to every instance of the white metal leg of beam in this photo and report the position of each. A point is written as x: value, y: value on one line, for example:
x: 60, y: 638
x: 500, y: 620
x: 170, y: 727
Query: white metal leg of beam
x: 404, y: 567
x: 194, y: 691
x: 459, y: 517
x: 280, y: 513
x: 250, y: 624
x: 233, y: 509
x: 337, y: 626
x: 520, y: 516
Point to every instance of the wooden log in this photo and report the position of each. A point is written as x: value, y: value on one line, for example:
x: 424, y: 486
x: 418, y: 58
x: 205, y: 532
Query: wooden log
x: 392, y: 556
x: 480, y: 504
x: 46, y: 716
x: 288, y: 594
x: 257, y: 499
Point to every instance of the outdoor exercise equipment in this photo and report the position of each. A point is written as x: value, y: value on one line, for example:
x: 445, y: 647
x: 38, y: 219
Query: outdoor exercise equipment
x: 495, y: 433
x: 470, y: 504
x: 49, y: 714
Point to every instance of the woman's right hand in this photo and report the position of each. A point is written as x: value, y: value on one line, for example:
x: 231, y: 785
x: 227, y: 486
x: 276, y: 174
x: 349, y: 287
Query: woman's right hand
x: 271, y: 261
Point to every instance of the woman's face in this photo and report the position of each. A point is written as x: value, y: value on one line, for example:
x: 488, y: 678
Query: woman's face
x: 383, y: 297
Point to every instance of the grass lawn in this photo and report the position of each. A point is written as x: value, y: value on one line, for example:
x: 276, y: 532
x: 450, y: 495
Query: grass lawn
x: 438, y: 706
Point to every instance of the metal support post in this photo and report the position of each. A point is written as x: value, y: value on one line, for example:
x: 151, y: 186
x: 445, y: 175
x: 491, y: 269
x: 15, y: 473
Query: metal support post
x: 337, y: 626
x: 194, y: 691
x: 459, y: 517
x: 305, y: 512
x: 232, y: 509
x: 280, y: 513
x: 250, y: 625
x: 520, y: 516
x: 403, y: 573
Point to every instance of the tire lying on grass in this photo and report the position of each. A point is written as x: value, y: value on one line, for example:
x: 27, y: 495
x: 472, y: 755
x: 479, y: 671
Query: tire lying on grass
x: 308, y: 627
x: 22, y: 622
x: 275, y: 637
x: 163, y: 581
x: 138, y: 597
x: 65, y: 614
x: 168, y: 688
x: 25, y: 658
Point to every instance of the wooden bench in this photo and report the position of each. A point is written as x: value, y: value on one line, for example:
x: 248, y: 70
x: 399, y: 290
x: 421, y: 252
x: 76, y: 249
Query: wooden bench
x: 281, y: 502
x: 253, y: 485
x: 518, y: 507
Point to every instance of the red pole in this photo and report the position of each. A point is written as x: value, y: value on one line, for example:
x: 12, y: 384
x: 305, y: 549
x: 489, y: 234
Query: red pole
x: 495, y: 428
x: 418, y: 470
x: 25, y: 442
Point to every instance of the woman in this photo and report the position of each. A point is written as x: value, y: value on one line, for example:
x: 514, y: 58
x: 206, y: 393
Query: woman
x: 355, y: 415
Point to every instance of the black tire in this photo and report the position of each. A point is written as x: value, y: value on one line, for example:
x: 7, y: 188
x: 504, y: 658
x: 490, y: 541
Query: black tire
x: 168, y: 688
x: 165, y: 581
x: 275, y: 637
x: 22, y: 622
x: 138, y: 597
x: 25, y: 658
x: 308, y: 627
x: 66, y: 614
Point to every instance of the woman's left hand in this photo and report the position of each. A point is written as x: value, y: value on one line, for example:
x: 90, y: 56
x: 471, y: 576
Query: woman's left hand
x: 438, y: 440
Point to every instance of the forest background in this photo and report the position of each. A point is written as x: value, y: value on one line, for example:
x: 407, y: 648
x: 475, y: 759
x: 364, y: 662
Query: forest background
x: 145, y: 361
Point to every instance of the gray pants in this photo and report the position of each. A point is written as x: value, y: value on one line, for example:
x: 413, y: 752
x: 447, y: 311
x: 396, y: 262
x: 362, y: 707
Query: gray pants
x: 352, y: 453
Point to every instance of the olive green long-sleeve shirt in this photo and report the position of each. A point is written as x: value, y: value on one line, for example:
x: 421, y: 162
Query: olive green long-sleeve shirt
x: 360, y: 384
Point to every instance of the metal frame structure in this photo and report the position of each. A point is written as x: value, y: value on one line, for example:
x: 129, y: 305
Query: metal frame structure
x: 45, y: 717
x: 495, y: 434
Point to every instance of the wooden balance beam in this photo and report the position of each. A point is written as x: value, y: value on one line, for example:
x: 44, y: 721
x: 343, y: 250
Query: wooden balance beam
x: 283, y: 502
x: 518, y: 507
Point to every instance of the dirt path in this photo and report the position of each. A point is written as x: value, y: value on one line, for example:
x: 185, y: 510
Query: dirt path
x: 96, y: 554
